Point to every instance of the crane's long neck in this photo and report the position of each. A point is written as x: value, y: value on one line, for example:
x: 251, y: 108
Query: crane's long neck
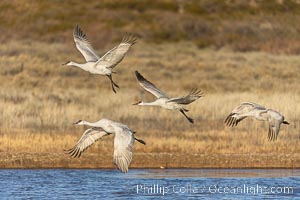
x: 154, y: 103
x: 105, y: 125
x: 82, y: 66
x: 90, y: 123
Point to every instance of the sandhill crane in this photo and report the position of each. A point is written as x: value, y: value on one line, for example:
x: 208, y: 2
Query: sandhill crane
x: 104, y: 65
x: 163, y: 100
x: 123, y: 142
x: 249, y: 109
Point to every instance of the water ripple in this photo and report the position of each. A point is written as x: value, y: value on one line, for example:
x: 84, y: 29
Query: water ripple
x: 150, y: 184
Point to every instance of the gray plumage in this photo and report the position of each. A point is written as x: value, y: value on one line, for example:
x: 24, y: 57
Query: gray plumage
x: 249, y: 109
x: 148, y: 86
x: 123, y: 142
x: 191, y: 97
x: 89, y: 137
x: 100, y: 65
x: 116, y: 55
x: 163, y: 100
x: 84, y: 46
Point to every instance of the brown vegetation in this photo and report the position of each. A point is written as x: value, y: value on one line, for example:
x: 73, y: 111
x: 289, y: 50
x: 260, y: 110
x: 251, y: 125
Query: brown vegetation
x: 243, y: 25
x: 40, y: 99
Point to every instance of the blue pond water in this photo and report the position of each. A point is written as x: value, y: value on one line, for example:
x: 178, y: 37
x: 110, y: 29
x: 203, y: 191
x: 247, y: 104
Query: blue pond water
x: 150, y: 184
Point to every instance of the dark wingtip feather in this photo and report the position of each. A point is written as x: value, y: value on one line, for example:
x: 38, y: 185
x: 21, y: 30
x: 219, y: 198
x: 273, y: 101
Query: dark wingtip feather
x: 196, y: 93
x: 73, y: 152
x: 231, y: 121
x: 271, y: 135
x: 129, y: 38
x: 138, y: 75
x: 227, y: 118
x: 78, y: 33
x: 67, y: 151
x: 236, y: 122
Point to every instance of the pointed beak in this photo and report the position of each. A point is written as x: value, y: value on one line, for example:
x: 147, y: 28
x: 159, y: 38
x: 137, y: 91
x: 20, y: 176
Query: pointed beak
x: 77, y: 122
x: 65, y: 63
x: 136, y: 103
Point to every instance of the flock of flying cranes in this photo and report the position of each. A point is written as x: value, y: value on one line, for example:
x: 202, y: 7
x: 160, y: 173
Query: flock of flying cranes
x: 124, y: 136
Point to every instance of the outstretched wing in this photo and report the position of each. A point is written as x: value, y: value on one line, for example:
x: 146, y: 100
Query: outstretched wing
x: 123, y: 147
x: 191, y: 97
x: 275, y: 120
x: 274, y: 127
x: 148, y: 86
x: 84, y: 46
x: 116, y: 55
x: 241, y: 112
x: 89, y: 137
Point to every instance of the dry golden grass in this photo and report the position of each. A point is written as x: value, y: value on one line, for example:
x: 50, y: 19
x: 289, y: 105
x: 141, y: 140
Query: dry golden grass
x: 50, y: 128
x: 203, y: 44
x: 40, y: 99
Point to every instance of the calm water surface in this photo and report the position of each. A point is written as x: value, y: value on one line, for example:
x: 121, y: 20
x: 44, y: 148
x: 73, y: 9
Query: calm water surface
x: 150, y: 184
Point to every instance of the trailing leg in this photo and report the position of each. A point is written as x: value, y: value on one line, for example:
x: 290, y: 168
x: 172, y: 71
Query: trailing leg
x: 112, y: 83
x: 188, y: 118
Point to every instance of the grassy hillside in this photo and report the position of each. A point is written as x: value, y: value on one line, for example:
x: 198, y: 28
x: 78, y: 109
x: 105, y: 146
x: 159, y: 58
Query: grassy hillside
x: 267, y: 25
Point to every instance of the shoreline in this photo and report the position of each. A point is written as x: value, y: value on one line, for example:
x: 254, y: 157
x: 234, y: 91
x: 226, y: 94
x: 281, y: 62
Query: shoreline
x: 152, y: 160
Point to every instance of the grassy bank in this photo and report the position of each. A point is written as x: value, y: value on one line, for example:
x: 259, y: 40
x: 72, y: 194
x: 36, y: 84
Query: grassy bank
x: 153, y: 160
x: 40, y: 100
x: 234, y: 51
